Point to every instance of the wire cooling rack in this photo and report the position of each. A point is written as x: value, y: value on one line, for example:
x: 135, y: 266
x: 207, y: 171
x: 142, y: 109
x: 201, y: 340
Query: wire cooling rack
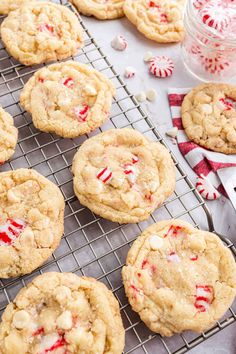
x: 92, y: 246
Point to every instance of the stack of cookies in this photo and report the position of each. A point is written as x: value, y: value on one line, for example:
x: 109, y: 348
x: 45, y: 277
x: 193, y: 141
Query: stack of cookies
x: 176, y: 277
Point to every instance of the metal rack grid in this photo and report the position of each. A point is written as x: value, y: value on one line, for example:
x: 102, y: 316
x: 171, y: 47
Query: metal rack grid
x: 93, y: 246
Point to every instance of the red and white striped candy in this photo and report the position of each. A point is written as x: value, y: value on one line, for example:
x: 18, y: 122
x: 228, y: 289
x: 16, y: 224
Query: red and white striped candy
x: 68, y: 82
x: 46, y: 27
x: 105, y: 175
x: 227, y: 103
x: 129, y: 72
x: 161, y: 66
x: 173, y: 257
x: 10, y: 231
x: 203, y: 297
x: 215, y: 16
x: 130, y: 171
x: 174, y: 231
x: 206, y: 189
x: 135, y: 159
x: 81, y: 112
x: 51, y: 342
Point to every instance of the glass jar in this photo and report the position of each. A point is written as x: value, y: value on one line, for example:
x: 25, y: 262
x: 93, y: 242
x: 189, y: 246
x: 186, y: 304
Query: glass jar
x: 209, y: 54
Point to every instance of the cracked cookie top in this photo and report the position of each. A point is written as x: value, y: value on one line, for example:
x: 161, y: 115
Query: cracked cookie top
x: 101, y: 9
x: 123, y: 176
x: 209, y: 116
x: 62, y: 313
x: 179, y: 278
x: 69, y: 99
x: 39, y: 32
x: 8, y: 136
x: 159, y: 20
x: 31, y: 221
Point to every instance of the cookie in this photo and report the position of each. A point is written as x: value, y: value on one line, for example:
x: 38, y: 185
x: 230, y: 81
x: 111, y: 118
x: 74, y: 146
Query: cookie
x: 31, y: 221
x: 8, y: 136
x: 123, y: 176
x: 159, y: 20
x: 69, y: 99
x: 103, y: 10
x: 209, y: 116
x: 40, y: 32
x: 179, y: 278
x: 10, y: 5
x: 62, y: 313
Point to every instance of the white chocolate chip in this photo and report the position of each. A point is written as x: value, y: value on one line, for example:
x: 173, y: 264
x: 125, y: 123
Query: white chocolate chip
x: 173, y: 132
x: 27, y: 237
x: 151, y: 95
x: 21, y: 319
x: 63, y: 294
x: 153, y: 185
x: 64, y: 321
x: 45, y: 238
x: 141, y: 96
x: 206, y: 108
x: 90, y: 90
x: 12, y: 198
x: 147, y: 56
x: 155, y: 242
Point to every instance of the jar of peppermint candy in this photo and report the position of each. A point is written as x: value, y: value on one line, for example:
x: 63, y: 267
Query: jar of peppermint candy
x: 209, y: 48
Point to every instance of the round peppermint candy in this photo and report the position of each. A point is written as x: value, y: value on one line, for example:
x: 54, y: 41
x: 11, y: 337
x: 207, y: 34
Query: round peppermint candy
x: 215, y: 16
x: 161, y: 66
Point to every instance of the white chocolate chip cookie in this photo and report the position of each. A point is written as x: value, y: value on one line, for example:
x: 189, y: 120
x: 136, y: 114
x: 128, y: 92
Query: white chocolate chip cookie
x: 159, y: 20
x: 101, y: 9
x: 179, y: 278
x: 40, y: 32
x: 31, y: 221
x: 7, y: 6
x: 69, y: 99
x: 8, y: 136
x: 62, y: 313
x: 209, y: 116
x: 123, y: 176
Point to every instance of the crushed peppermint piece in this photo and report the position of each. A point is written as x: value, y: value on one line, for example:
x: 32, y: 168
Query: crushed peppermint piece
x: 119, y: 43
x: 68, y: 82
x: 129, y: 72
x: 11, y: 230
x: 105, y: 175
x: 81, y: 112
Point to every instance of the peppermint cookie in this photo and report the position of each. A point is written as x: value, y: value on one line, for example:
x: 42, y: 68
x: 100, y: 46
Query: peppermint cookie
x: 10, y: 5
x: 8, y: 136
x: 31, y: 221
x: 179, y: 278
x: 209, y: 116
x: 62, y: 313
x: 103, y: 10
x: 123, y: 176
x: 40, y: 32
x: 159, y: 20
x: 69, y: 99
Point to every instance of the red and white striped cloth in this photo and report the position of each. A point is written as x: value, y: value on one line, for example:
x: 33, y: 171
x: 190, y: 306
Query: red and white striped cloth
x: 202, y: 161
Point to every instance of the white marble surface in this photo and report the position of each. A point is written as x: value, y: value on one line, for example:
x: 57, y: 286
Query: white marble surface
x: 222, y: 210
